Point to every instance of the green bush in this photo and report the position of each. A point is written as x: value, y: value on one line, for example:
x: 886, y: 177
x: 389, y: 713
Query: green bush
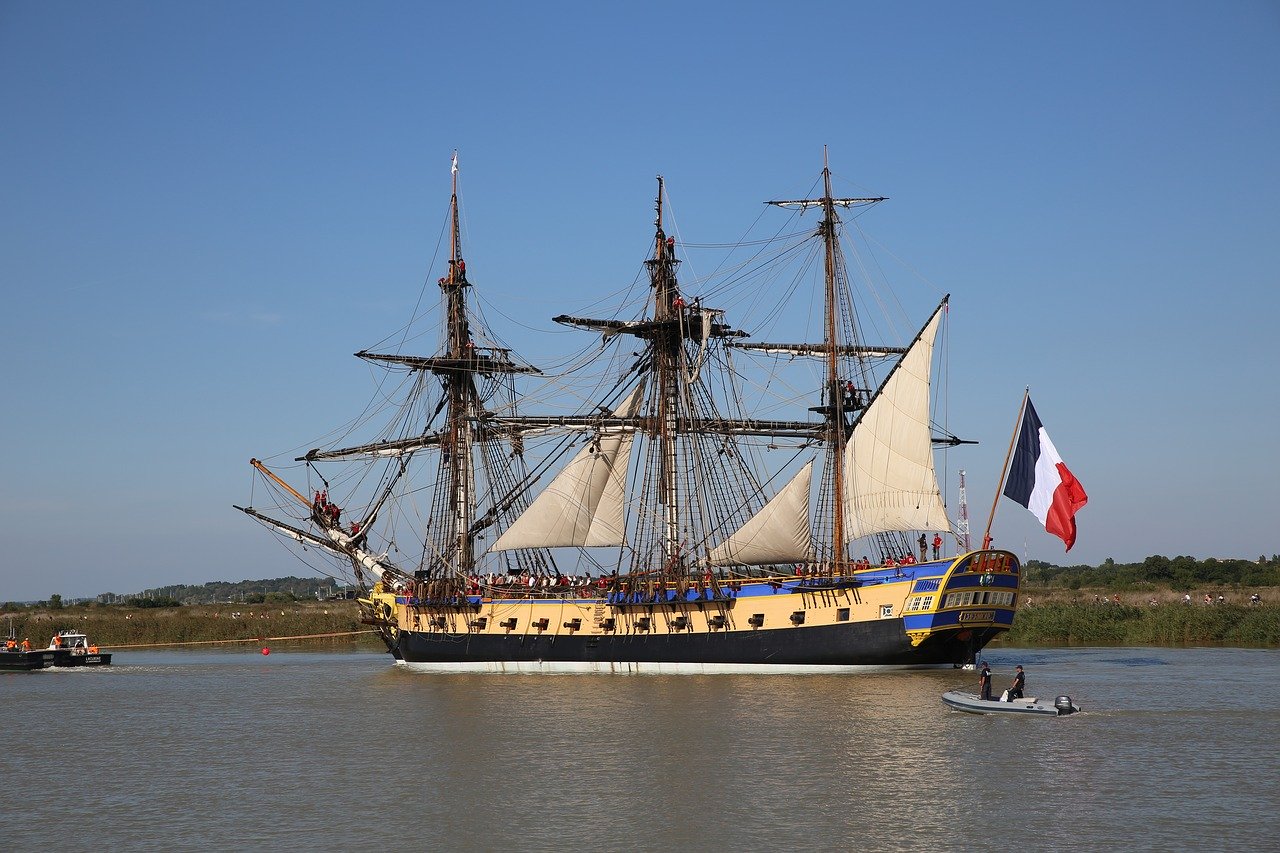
x: 1163, y: 625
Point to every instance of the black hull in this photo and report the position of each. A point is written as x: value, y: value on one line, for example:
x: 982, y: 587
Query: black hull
x: 879, y: 643
x: 64, y: 657
x: 25, y: 661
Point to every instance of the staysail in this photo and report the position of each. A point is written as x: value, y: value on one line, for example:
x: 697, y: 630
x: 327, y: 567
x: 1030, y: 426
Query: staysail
x: 778, y: 533
x: 583, y: 505
x: 890, y: 482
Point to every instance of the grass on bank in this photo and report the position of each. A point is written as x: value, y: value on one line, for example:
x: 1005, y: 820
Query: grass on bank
x: 127, y: 626
x: 1164, y: 624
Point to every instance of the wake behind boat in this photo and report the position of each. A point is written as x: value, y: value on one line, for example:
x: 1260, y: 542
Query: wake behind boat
x: 971, y: 703
x: 684, y: 521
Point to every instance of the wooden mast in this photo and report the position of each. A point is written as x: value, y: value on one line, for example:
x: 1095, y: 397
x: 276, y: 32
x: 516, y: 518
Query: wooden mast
x: 666, y: 362
x: 835, y: 400
x: 460, y: 387
x: 835, y: 406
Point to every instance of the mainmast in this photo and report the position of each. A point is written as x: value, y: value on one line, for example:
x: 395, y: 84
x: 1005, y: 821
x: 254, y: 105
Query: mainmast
x: 460, y: 390
x: 666, y: 358
x: 836, y: 398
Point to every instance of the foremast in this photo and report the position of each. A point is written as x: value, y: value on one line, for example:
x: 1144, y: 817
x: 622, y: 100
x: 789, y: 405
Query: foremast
x: 455, y: 424
x: 451, y: 548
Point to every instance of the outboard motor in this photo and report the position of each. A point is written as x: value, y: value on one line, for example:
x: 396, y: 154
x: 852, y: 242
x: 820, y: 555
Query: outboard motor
x: 1064, y: 706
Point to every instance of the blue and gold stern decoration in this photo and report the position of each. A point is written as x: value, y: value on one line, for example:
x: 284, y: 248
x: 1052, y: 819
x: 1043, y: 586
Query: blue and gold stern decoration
x: 979, y: 591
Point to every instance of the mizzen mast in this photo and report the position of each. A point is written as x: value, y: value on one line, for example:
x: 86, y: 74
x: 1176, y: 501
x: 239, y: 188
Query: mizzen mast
x: 842, y: 398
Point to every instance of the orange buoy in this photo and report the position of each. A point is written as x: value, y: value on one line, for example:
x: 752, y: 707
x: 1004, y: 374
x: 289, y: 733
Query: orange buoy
x: 266, y: 651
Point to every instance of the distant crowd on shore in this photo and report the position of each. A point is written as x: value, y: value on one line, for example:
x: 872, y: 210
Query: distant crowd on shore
x: 1208, y: 600
x: 1253, y: 600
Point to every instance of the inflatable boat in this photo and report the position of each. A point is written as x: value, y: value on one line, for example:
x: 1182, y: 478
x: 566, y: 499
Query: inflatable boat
x: 969, y: 702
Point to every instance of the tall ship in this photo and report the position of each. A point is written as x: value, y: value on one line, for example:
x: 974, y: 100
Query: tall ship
x: 679, y: 496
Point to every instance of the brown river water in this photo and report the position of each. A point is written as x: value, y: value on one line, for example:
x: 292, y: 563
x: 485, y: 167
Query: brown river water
x: 1175, y: 749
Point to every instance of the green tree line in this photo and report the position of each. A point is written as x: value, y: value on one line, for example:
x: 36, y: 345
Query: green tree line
x: 1179, y: 573
x: 265, y: 591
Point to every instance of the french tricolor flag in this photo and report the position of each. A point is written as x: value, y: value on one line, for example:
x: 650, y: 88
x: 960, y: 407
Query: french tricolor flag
x: 1041, y: 482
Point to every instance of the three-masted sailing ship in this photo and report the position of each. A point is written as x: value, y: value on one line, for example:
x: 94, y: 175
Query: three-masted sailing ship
x: 668, y: 525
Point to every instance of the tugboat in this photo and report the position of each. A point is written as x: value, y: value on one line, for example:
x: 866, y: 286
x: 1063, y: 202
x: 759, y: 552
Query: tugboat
x: 72, y: 648
x: 19, y: 657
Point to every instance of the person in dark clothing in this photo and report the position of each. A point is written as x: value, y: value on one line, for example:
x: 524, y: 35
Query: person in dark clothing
x: 984, y: 682
x: 1019, y: 682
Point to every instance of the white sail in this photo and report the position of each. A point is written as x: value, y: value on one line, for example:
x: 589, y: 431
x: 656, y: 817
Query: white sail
x: 890, y: 483
x: 583, y: 505
x: 778, y: 533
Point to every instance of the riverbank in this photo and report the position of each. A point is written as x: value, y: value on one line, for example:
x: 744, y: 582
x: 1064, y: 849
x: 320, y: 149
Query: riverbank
x: 117, y: 627
x: 1171, y: 623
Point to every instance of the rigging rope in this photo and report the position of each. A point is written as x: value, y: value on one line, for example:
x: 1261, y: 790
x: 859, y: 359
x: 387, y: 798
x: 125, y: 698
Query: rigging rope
x: 246, y: 640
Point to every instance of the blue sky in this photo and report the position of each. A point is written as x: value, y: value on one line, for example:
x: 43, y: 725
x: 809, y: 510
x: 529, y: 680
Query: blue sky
x: 206, y: 208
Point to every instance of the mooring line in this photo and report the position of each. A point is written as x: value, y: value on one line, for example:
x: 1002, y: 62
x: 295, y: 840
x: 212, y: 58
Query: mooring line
x: 249, y: 640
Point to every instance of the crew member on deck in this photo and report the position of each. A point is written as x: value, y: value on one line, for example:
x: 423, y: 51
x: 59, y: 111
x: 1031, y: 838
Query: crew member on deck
x: 937, y: 544
x: 26, y: 644
x: 924, y: 548
x: 984, y: 682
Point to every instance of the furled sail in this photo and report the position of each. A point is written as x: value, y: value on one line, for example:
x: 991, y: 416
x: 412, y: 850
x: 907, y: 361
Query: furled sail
x: 779, y: 533
x: 398, y: 447
x: 583, y: 505
x: 338, y: 542
x: 890, y: 483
